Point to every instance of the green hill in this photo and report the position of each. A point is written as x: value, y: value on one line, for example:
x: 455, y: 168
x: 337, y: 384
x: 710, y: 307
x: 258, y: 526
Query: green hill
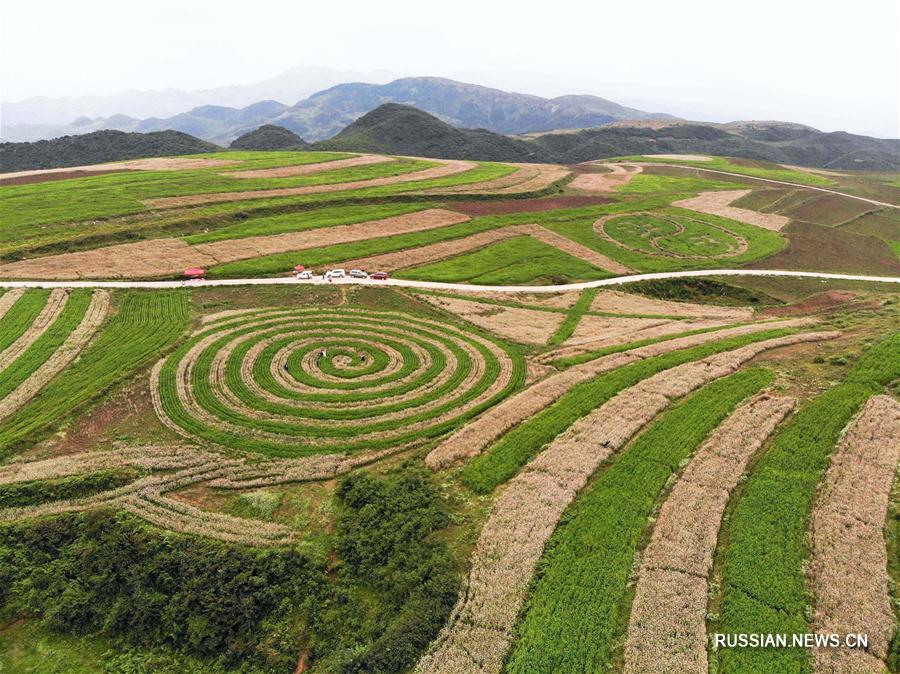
x: 400, y: 129
x: 96, y: 148
x: 269, y: 137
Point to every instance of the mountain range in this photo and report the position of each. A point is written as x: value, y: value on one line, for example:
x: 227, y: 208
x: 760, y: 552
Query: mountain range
x: 325, y: 113
x: 45, y: 117
x: 393, y: 128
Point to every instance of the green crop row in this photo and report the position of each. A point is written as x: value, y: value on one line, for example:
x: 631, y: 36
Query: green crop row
x: 516, y: 261
x: 334, y: 332
x: 764, y: 581
x: 20, y: 316
x: 722, y: 164
x: 304, y: 220
x: 617, y: 348
x: 145, y: 324
x: 502, y: 461
x: 567, y: 327
x: 572, y: 616
x: 25, y: 365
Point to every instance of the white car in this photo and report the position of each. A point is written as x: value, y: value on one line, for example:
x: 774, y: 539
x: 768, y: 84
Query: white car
x: 336, y: 273
x: 358, y: 273
x: 305, y: 275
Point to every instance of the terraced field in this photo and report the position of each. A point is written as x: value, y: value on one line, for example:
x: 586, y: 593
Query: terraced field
x: 330, y: 477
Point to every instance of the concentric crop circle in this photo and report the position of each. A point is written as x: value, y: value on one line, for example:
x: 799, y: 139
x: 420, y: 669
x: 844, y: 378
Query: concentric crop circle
x: 303, y: 381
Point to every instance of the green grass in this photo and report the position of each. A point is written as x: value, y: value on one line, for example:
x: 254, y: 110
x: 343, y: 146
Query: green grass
x: 20, y: 316
x: 573, y: 317
x: 764, y: 562
x: 145, y: 324
x: 305, y: 220
x: 761, y: 243
x: 678, y: 187
x: 722, y: 164
x: 656, y: 235
x: 502, y: 461
x: 17, y: 372
x: 517, y: 261
x: 572, y: 616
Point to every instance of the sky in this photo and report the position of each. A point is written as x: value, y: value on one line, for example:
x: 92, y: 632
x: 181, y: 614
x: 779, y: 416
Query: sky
x: 832, y: 64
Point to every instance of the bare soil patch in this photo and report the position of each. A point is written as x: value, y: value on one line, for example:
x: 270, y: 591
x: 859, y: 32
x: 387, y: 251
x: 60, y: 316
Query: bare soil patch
x: 717, y: 203
x: 476, y: 208
x: 47, y: 177
x: 527, y: 326
x: 149, y: 164
x: 848, y: 564
x: 306, y: 169
x: 611, y: 181
x: 616, y: 301
x: 448, y: 167
x: 822, y: 302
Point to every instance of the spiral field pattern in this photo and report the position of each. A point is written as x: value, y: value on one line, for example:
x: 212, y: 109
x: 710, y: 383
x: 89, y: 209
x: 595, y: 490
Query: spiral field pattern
x: 296, y: 381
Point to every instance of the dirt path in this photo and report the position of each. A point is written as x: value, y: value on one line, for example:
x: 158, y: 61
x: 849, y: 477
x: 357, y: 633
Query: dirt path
x: 447, y: 168
x: 717, y: 203
x: 667, y: 627
x: 848, y: 562
x: 150, y: 164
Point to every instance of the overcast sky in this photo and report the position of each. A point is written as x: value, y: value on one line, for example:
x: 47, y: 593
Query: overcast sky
x: 829, y: 63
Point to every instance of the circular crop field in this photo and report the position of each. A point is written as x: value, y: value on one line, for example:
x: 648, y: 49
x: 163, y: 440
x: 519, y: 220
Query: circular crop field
x: 673, y: 236
x: 295, y: 382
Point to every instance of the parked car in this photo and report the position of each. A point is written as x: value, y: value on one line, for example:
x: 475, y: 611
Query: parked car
x: 304, y: 275
x: 379, y: 276
x: 358, y: 273
x: 336, y: 273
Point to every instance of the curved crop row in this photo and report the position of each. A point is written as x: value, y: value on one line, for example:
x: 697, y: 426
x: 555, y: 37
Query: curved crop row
x: 571, y: 617
x: 143, y: 324
x: 764, y: 587
x: 294, y: 382
x: 527, y: 511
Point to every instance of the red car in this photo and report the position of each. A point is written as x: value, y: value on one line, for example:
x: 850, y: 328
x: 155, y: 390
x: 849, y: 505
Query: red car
x: 379, y: 276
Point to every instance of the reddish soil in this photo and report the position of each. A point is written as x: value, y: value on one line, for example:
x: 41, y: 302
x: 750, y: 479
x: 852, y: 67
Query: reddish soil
x: 811, y: 305
x: 46, y: 177
x: 476, y: 208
